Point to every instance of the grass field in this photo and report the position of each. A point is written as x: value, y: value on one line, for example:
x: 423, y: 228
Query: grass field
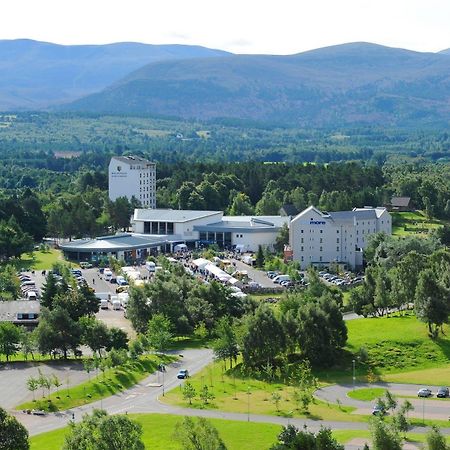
x: 39, y: 260
x: 398, y: 344
x: 100, y: 386
x: 413, y: 223
x: 243, y: 395
x: 159, y: 429
x: 366, y: 394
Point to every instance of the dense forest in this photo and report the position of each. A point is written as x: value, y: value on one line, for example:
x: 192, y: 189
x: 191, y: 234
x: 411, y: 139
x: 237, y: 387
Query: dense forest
x: 53, y: 169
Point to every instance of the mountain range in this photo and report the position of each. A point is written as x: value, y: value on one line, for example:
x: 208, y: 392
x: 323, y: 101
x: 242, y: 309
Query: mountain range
x: 35, y: 74
x: 349, y: 84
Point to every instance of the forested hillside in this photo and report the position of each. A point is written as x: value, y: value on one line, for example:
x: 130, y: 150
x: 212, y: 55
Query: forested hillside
x: 356, y: 83
x: 37, y: 74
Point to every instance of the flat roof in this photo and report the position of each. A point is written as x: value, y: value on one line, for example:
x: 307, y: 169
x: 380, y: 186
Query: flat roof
x: 9, y: 309
x: 131, y: 160
x: 247, y: 224
x: 171, y: 215
x: 119, y: 242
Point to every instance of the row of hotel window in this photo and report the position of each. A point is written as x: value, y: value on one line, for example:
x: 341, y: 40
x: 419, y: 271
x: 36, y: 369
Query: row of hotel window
x: 337, y: 231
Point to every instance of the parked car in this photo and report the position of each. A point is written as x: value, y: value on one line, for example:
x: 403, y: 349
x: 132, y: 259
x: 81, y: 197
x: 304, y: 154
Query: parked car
x: 378, y: 410
x: 182, y: 374
x: 443, y: 392
x: 424, y: 392
x: 85, y: 265
x: 280, y: 278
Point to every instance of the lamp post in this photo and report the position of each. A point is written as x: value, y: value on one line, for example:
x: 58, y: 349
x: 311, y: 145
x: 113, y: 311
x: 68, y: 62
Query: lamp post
x: 354, y: 375
x: 248, y: 403
x: 163, y: 381
x: 423, y: 410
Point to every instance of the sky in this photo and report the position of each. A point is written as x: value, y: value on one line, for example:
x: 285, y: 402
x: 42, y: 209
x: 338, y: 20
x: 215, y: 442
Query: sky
x: 239, y: 26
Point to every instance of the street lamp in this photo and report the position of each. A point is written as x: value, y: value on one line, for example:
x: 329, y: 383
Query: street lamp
x: 163, y: 381
x: 354, y: 376
x: 248, y: 403
x: 423, y: 410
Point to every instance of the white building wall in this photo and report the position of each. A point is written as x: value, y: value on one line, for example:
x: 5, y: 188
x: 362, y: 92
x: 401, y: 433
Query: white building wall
x: 317, y: 239
x: 251, y: 241
x: 136, y: 179
x: 183, y: 230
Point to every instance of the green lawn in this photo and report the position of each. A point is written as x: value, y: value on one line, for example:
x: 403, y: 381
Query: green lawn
x: 100, y: 386
x: 159, y: 428
x: 367, y: 394
x: 244, y: 394
x: 39, y: 260
x: 397, y: 344
x: 413, y: 223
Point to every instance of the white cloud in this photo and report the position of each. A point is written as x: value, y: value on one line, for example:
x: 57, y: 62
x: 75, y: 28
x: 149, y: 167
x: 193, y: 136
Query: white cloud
x: 250, y: 26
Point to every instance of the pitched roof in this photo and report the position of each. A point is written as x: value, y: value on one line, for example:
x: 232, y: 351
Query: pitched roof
x: 288, y: 210
x: 400, y: 201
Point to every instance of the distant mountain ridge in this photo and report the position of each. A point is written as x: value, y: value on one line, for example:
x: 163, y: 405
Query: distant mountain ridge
x: 37, y: 74
x: 339, y: 85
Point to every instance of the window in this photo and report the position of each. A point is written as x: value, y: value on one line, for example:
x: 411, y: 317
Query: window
x: 337, y: 231
x: 301, y: 248
x: 321, y: 231
x: 321, y: 248
x: 301, y: 231
x: 321, y: 240
x: 320, y: 259
x: 303, y: 258
x: 301, y: 240
x: 337, y: 240
x: 337, y: 248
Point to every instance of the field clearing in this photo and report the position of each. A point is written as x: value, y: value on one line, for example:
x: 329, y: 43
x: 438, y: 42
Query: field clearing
x: 413, y: 223
x: 39, y: 260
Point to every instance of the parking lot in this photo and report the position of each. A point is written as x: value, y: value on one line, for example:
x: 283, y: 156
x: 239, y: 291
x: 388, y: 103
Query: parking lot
x: 112, y: 318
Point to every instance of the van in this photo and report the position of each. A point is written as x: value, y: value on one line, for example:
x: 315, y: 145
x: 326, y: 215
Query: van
x: 108, y: 274
x: 104, y: 304
x: 103, y: 295
x: 150, y: 265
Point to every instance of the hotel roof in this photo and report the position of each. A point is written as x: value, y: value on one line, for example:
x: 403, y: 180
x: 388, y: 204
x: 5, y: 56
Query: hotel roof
x: 171, y: 215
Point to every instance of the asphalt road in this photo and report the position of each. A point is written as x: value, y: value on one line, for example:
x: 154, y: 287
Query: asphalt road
x: 432, y: 408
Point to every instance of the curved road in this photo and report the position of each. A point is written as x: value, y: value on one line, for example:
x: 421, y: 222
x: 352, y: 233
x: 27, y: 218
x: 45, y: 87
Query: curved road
x: 144, y: 398
x: 432, y: 408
